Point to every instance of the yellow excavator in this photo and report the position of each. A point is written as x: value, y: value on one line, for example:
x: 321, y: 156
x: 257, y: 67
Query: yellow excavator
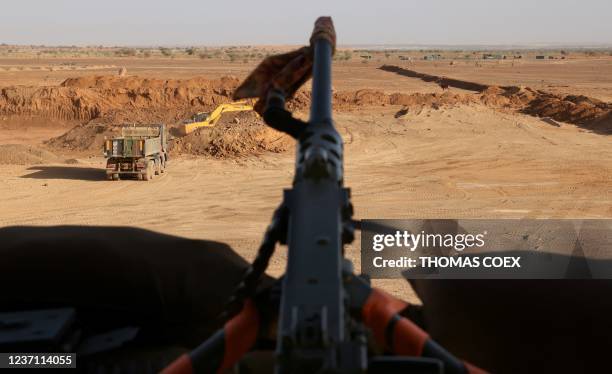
x: 209, y: 119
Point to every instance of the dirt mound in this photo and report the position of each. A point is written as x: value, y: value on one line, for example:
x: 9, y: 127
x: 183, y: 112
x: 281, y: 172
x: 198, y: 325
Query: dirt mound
x: 347, y: 100
x: 350, y: 100
x: 513, y: 97
x: 88, y: 137
x: 364, y: 97
x: 102, y: 102
x: 133, y: 99
x: 19, y: 154
x: 51, y: 102
x: 432, y: 100
x: 581, y: 110
x: 235, y: 135
x: 442, y: 81
x: 224, y: 85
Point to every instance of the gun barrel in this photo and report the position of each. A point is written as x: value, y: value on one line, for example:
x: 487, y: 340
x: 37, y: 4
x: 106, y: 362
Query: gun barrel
x: 321, y: 107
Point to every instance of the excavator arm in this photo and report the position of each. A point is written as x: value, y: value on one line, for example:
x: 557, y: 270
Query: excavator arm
x: 212, y: 119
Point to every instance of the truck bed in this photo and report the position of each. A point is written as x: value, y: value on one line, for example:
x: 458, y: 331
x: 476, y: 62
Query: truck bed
x: 134, y: 146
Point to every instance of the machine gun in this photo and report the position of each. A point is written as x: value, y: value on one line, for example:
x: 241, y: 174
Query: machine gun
x: 319, y: 317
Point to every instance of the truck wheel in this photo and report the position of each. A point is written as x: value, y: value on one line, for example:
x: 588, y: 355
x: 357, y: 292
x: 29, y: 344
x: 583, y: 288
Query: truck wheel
x: 157, y: 167
x: 162, y: 167
x: 148, y: 175
x: 139, y: 176
x: 115, y: 177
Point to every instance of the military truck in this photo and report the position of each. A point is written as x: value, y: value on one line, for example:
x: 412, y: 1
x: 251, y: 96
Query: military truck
x: 140, y: 150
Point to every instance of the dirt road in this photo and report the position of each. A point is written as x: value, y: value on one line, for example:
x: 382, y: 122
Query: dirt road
x: 468, y: 161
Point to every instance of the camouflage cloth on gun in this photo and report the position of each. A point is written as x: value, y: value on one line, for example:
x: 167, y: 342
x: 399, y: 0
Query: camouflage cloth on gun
x: 286, y: 72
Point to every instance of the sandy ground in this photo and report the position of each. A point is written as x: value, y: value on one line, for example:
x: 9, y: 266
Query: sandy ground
x: 30, y: 131
x: 464, y: 161
x: 584, y: 76
x: 468, y: 161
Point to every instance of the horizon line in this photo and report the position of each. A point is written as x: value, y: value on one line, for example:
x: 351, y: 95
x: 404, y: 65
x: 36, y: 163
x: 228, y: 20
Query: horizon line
x: 399, y: 46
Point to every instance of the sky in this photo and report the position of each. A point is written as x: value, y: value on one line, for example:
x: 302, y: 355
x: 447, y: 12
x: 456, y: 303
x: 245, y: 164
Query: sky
x: 273, y: 22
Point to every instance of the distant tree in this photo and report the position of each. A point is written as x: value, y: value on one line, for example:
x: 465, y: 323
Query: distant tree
x: 165, y: 51
x: 343, y: 56
x: 191, y: 51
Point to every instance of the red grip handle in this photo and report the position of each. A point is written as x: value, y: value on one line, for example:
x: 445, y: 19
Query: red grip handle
x: 240, y: 335
x: 181, y: 365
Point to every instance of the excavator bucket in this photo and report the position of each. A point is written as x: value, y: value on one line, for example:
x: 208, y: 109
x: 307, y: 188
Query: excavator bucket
x: 209, y: 120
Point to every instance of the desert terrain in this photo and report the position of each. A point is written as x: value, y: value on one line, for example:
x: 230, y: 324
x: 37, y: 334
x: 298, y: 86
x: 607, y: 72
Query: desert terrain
x: 454, y: 137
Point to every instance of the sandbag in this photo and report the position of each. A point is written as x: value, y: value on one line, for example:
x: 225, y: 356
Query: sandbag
x: 118, y: 275
x: 521, y: 326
